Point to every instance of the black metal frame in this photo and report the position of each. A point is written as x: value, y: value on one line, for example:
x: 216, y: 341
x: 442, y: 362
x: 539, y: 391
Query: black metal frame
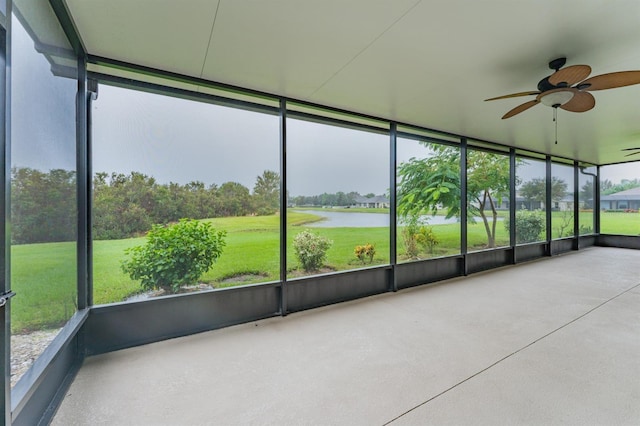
x: 621, y: 241
x: 413, y: 274
x: 283, y: 207
x: 126, y: 83
x: 511, y: 156
x: 565, y: 244
x: 512, y: 202
x: 584, y: 240
x: 596, y: 202
x: 83, y: 189
x: 87, y: 194
x: 123, y: 325
x: 393, y: 223
x: 576, y: 206
x: 463, y: 205
x: 522, y: 253
x: 98, y: 329
x: 5, y: 207
x: 37, y: 394
x: 326, y: 289
x: 548, y: 201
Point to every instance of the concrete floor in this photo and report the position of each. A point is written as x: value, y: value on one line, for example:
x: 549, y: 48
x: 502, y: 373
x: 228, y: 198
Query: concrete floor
x: 555, y: 341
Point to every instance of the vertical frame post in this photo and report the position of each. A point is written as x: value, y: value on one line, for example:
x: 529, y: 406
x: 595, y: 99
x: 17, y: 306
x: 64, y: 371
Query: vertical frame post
x: 283, y: 207
x: 92, y: 94
x: 83, y: 187
x: 548, y: 202
x: 5, y: 203
x: 576, y: 206
x: 393, y: 220
x: 596, y: 202
x: 463, y: 202
x: 512, y: 203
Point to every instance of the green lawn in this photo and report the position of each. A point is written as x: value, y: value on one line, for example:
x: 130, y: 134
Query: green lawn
x: 620, y: 223
x: 44, y: 275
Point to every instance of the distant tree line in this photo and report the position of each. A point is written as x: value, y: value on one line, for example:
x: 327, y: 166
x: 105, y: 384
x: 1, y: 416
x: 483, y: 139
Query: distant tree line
x: 328, y: 200
x: 536, y: 189
x: 43, y: 206
x: 607, y: 187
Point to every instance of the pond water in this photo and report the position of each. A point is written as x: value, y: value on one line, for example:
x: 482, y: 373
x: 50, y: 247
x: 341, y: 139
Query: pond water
x: 362, y: 220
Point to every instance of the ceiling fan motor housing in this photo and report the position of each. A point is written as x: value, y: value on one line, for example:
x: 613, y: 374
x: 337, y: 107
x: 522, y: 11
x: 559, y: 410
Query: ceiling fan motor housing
x: 544, y: 85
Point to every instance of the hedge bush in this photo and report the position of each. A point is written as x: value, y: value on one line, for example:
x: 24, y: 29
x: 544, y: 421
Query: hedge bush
x: 529, y: 226
x: 175, y: 255
x: 311, y: 249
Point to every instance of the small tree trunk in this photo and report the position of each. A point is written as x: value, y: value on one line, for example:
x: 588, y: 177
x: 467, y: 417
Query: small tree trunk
x: 490, y: 240
x: 494, y: 212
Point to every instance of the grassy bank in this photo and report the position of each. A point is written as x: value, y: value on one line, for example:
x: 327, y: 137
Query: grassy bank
x: 44, y: 275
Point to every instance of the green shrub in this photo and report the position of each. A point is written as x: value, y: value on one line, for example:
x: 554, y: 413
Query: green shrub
x: 311, y: 249
x: 529, y: 226
x: 564, y: 224
x: 416, y: 236
x: 364, y: 252
x: 174, y: 255
x: 585, y: 230
x: 427, y: 239
x: 409, y: 232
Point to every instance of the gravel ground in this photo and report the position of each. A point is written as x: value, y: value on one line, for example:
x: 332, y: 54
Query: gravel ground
x: 26, y: 348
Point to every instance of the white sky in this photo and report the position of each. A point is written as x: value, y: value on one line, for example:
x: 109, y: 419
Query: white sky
x: 180, y: 141
x: 615, y: 173
x: 43, y: 125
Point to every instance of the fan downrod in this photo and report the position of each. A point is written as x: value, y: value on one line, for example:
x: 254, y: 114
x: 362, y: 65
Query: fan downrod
x: 558, y: 63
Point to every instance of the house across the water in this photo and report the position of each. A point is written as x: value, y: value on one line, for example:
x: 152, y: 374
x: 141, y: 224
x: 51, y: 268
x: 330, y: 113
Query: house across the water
x: 377, y: 202
x: 623, y: 200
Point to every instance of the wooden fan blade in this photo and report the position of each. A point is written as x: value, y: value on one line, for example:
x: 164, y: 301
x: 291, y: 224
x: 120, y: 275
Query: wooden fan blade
x: 612, y: 80
x: 570, y: 75
x: 513, y: 95
x: 523, y: 107
x: 581, y: 102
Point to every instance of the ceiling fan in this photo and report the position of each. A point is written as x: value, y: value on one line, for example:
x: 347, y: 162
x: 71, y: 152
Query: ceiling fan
x: 567, y: 88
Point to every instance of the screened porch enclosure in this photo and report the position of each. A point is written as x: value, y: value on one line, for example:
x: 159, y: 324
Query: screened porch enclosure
x: 300, y: 192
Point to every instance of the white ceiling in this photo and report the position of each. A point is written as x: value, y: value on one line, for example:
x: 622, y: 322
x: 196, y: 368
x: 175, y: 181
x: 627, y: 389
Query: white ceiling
x: 429, y: 63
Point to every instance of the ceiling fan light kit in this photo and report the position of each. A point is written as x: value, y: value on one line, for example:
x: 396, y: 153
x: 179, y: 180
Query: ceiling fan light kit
x: 568, y: 88
x: 556, y: 98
